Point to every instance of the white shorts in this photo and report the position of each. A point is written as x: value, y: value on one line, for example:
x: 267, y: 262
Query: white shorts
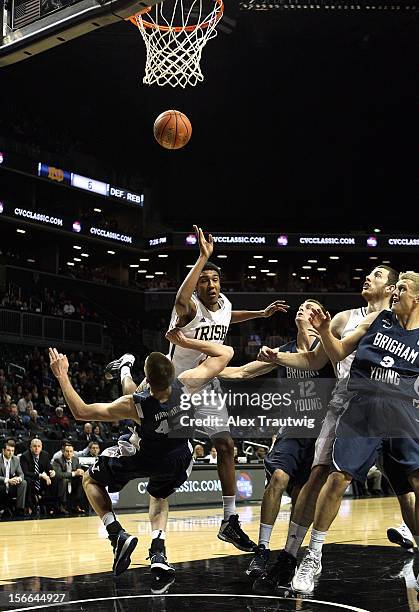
x: 213, y: 413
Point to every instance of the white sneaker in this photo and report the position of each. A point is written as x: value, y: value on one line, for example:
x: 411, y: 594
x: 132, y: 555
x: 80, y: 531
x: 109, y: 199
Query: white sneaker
x: 402, y: 536
x: 310, y: 566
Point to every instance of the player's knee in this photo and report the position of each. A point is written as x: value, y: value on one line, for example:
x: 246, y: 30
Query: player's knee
x: 318, y: 476
x: 338, y: 481
x: 279, y: 481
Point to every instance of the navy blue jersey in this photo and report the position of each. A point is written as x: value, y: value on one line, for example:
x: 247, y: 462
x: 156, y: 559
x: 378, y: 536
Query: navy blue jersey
x: 286, y: 372
x: 388, y: 354
x: 310, y: 397
x: 158, y: 420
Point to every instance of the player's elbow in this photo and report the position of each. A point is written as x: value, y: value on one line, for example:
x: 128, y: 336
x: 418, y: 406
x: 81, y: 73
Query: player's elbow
x: 228, y: 353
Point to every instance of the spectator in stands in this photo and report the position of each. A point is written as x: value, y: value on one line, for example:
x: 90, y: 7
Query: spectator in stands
x: 87, y: 433
x: 12, y: 480
x: 59, y: 420
x: 5, y: 396
x: 212, y: 456
x: 69, y: 479
x: 14, y: 422
x: 36, y: 424
x: 68, y: 309
x: 25, y: 405
x: 260, y: 453
x: 45, y: 398
x: 96, y: 432
x: 39, y: 475
x: 5, y: 409
x: 198, y: 452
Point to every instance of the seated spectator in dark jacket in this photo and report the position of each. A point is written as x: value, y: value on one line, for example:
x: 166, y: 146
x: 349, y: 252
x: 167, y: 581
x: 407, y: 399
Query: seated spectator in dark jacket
x: 12, y: 479
x: 69, y: 479
x: 87, y: 433
x: 36, y: 424
x: 60, y: 420
x: 39, y: 475
x: 14, y: 422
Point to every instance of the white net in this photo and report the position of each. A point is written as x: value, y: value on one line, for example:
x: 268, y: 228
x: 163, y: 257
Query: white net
x: 174, y: 33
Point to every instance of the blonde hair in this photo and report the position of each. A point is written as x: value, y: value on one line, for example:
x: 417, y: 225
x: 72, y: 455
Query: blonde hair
x: 412, y: 276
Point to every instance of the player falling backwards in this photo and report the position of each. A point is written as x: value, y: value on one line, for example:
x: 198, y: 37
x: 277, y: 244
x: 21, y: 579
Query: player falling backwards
x: 202, y: 312
x: 164, y: 458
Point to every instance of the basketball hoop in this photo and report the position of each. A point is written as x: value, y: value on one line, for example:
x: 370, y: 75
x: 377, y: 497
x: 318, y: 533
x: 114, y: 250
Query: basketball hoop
x: 175, y: 32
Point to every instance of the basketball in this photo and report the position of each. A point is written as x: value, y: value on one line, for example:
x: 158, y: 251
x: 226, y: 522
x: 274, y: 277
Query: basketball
x: 172, y: 129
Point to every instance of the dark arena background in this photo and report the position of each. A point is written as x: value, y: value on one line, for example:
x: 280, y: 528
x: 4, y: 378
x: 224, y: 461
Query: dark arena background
x: 303, y: 165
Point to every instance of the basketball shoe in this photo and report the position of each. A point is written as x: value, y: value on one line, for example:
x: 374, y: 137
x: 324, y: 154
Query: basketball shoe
x: 230, y: 531
x: 402, y: 536
x: 158, y: 562
x: 309, y: 568
x: 123, y: 545
x: 279, y: 575
x: 112, y: 369
x: 258, y: 564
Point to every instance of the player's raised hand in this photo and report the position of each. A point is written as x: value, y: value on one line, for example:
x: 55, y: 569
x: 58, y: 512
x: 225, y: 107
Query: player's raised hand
x: 278, y: 306
x: 58, y: 363
x: 267, y: 355
x: 319, y: 321
x: 206, y: 247
x: 177, y: 337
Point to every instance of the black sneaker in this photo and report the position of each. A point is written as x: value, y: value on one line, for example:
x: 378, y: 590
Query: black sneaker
x: 160, y: 584
x: 111, y: 371
x: 230, y: 531
x: 257, y: 567
x: 123, y: 544
x: 279, y: 575
x: 402, y: 536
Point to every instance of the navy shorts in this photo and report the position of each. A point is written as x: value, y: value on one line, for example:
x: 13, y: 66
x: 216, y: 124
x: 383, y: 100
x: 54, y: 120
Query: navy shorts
x: 293, y: 456
x: 370, y: 426
x: 165, y: 474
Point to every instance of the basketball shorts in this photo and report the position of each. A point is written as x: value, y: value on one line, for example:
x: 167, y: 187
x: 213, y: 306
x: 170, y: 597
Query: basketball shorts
x: 213, y: 412
x: 366, y: 428
x: 165, y: 473
x: 293, y: 456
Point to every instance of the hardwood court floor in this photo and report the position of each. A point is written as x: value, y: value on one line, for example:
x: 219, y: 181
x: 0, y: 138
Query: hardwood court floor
x: 362, y: 571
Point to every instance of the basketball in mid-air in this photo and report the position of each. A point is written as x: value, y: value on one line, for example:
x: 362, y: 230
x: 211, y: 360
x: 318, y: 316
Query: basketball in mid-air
x: 172, y: 129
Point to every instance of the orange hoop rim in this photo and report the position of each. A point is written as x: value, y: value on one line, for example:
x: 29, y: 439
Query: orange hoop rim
x: 189, y: 28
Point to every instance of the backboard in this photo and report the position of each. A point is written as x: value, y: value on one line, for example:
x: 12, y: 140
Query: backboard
x: 29, y: 27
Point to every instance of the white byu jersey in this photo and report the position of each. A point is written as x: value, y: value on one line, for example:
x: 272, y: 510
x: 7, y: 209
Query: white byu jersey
x: 206, y: 325
x: 357, y: 315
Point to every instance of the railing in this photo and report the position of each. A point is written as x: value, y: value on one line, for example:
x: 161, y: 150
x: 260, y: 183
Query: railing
x: 31, y: 328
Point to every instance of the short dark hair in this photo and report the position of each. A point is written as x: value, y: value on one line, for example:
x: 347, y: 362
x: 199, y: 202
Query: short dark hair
x: 212, y: 266
x: 10, y: 443
x: 93, y: 442
x: 159, y: 371
x: 322, y: 308
x: 68, y: 444
x: 65, y: 442
x: 393, y: 275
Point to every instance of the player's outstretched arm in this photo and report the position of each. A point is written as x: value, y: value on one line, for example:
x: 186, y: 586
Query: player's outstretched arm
x: 122, y: 408
x: 338, y: 349
x: 183, y: 302
x: 238, y: 316
x: 219, y: 356
x: 305, y: 360
x: 247, y: 371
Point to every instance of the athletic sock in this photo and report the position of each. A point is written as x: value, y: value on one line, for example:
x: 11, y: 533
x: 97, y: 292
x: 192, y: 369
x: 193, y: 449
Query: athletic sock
x: 296, y: 535
x: 112, y: 525
x: 158, y: 533
x: 229, y: 506
x: 265, y: 534
x: 125, y: 371
x: 317, y: 540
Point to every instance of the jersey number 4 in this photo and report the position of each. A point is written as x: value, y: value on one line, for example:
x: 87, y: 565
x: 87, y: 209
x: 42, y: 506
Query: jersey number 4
x: 163, y: 428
